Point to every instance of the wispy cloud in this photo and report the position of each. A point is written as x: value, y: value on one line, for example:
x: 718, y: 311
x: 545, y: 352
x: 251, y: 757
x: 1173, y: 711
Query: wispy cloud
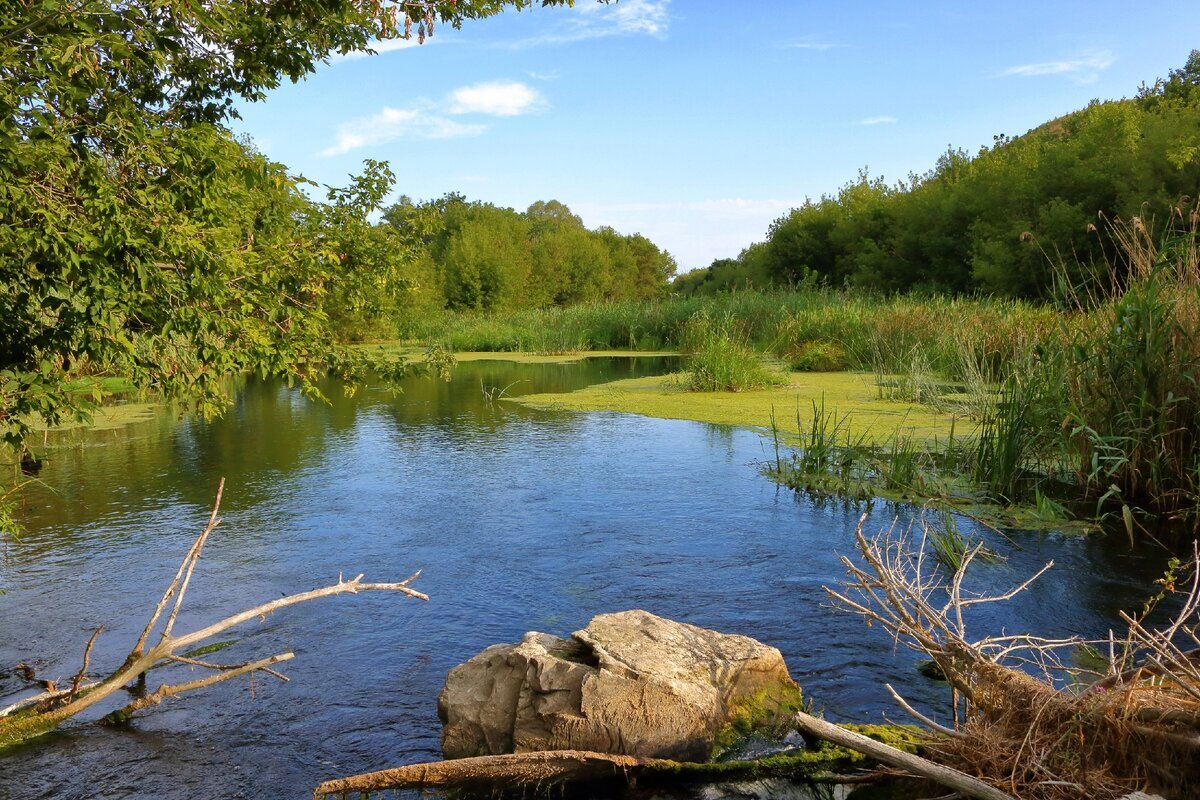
x: 810, y: 43
x: 880, y: 120
x: 1085, y: 68
x: 381, y: 46
x: 396, y: 123
x: 601, y: 20
x: 496, y: 98
x: 430, y: 120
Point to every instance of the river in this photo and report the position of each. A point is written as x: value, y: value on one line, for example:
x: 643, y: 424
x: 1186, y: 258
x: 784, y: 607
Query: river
x: 519, y: 519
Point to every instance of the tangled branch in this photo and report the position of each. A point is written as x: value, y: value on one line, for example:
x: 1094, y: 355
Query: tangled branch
x: 1024, y: 719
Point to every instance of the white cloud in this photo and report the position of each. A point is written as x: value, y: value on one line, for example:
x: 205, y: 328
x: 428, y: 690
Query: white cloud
x: 590, y: 20
x: 427, y: 120
x: 495, y: 98
x: 381, y: 46
x: 395, y: 123
x: 1085, y: 68
x: 633, y: 16
x: 880, y: 120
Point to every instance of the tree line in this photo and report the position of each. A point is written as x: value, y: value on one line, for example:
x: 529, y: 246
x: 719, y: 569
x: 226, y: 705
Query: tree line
x: 478, y: 256
x: 1016, y: 219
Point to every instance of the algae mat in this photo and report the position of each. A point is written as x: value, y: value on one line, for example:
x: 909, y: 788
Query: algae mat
x: 416, y: 354
x: 852, y: 395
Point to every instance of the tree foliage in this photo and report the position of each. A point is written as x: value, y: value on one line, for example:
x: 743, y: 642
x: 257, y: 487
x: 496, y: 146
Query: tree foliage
x: 488, y: 258
x: 137, y: 237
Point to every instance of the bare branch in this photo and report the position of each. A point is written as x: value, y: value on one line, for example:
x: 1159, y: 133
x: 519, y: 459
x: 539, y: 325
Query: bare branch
x: 87, y: 655
x: 188, y: 559
x: 341, y: 587
x: 164, y: 691
x: 924, y: 720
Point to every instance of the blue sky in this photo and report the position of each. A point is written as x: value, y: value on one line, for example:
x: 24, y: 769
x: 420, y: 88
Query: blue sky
x: 697, y: 122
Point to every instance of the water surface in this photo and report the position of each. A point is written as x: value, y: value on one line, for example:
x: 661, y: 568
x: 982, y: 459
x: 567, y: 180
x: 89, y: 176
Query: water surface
x: 520, y: 520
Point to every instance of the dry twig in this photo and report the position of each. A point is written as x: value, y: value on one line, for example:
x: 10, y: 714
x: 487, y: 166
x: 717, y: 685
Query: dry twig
x: 1045, y: 735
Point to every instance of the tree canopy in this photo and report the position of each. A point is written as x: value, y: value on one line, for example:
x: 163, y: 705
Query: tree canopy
x: 138, y: 237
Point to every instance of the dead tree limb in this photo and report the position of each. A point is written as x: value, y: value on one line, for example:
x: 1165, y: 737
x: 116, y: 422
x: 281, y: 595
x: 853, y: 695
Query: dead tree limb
x: 556, y: 768
x: 544, y: 769
x: 960, y: 782
x: 34, y: 716
x: 918, y: 716
x: 1049, y: 735
x: 87, y: 657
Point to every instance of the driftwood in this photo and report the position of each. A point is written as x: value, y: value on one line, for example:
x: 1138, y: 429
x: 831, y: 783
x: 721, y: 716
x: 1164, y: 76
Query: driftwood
x: 36, y: 715
x: 548, y: 769
x: 545, y: 769
x: 556, y: 768
x: 946, y: 776
x: 1025, y: 720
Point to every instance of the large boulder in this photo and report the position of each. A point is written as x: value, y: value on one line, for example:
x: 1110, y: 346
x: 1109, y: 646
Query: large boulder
x: 629, y: 683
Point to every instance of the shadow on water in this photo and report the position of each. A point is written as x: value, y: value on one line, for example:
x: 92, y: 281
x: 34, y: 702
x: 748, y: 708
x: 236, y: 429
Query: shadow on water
x: 520, y: 519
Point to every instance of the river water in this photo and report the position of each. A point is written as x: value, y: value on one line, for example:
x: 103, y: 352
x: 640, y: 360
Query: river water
x: 520, y: 520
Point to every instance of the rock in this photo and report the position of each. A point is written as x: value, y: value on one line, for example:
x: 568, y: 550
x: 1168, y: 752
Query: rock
x: 629, y: 683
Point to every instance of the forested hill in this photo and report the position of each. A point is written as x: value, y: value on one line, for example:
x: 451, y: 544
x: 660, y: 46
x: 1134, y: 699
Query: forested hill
x: 1009, y: 220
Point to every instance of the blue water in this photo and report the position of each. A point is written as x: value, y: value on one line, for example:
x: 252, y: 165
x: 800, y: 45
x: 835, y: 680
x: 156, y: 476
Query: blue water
x: 519, y: 520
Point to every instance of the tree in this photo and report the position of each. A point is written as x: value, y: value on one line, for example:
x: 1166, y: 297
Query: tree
x: 136, y: 236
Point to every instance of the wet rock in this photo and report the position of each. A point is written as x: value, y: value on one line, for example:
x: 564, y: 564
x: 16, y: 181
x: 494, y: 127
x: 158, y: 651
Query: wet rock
x: 630, y: 683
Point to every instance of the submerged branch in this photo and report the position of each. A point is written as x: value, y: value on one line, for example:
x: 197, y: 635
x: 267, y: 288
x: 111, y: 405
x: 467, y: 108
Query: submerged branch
x: 53, y: 707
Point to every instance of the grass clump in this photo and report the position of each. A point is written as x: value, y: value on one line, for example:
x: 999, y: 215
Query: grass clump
x: 721, y: 358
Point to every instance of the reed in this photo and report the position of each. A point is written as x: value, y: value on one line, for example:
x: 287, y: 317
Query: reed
x: 721, y: 358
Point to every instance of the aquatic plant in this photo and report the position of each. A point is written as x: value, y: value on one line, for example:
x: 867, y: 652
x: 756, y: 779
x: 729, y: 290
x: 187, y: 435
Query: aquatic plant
x: 721, y: 359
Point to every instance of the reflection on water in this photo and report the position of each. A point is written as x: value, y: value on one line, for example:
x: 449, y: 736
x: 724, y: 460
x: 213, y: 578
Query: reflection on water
x: 520, y: 519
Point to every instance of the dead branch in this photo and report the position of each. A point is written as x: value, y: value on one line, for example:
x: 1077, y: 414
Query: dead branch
x: 918, y: 716
x: 53, y: 707
x: 556, y: 768
x: 1047, y: 736
x: 542, y: 769
x: 164, y: 691
x: 87, y: 656
x: 945, y: 776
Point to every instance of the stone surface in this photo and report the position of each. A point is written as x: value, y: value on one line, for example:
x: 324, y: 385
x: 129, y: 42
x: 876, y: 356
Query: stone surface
x: 630, y: 683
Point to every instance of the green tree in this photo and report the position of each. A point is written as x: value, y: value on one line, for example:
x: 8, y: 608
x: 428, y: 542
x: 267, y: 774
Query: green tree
x: 136, y: 236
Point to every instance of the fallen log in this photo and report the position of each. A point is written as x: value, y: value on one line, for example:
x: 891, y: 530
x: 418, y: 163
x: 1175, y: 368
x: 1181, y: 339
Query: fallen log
x: 556, y: 768
x: 545, y: 769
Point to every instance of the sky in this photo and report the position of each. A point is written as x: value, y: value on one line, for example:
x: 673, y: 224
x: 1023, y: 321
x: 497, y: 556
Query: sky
x: 697, y: 123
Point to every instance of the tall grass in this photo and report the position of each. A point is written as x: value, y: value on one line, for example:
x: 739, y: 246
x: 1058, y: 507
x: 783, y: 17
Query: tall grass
x: 1132, y: 374
x: 810, y: 327
x: 721, y: 358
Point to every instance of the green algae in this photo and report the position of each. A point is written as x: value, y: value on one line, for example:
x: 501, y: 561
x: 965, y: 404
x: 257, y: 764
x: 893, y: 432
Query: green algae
x: 768, y: 711
x: 22, y: 726
x: 885, y: 438
x: 819, y: 761
x: 852, y: 394
x: 410, y: 352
